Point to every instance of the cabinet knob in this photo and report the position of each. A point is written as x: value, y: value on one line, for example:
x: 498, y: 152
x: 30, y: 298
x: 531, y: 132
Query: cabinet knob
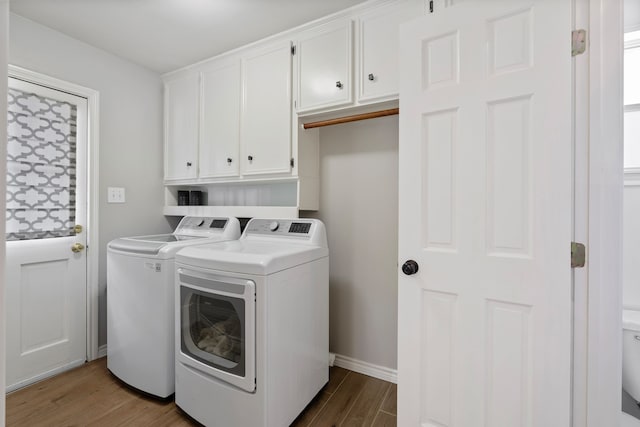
x: 229, y: 160
x: 250, y: 158
x: 339, y: 84
x: 188, y: 163
x: 371, y: 77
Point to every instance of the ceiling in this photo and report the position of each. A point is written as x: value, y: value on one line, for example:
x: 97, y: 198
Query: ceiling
x: 164, y: 35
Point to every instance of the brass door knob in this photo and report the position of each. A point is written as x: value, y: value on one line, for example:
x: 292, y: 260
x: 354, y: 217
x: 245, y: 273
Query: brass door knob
x: 77, y: 247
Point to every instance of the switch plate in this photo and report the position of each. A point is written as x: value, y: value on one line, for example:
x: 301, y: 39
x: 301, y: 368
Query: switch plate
x: 115, y: 195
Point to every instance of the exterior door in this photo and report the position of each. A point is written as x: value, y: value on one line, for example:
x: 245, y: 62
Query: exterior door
x: 485, y: 200
x: 46, y: 269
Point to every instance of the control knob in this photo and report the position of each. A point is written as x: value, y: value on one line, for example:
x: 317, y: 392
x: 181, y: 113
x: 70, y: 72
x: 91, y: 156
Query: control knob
x: 274, y: 226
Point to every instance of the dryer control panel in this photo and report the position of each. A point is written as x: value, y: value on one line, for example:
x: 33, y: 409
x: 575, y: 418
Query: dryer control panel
x: 307, y: 231
x: 280, y: 227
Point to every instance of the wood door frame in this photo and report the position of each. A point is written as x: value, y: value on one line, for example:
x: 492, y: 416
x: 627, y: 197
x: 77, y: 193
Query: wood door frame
x: 93, y: 199
x: 598, y: 215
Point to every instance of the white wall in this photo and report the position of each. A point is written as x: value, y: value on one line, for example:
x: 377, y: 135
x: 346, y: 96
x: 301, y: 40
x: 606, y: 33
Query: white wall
x: 359, y: 205
x: 130, y: 152
x: 4, y: 57
x: 631, y: 245
x: 631, y: 15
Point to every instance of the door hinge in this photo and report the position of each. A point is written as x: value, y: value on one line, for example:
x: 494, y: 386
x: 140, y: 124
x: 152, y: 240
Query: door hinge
x: 578, y: 42
x: 292, y: 162
x: 578, y: 255
x: 293, y: 50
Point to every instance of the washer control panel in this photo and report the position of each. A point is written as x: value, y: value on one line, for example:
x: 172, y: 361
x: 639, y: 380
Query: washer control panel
x: 280, y: 227
x: 198, y: 224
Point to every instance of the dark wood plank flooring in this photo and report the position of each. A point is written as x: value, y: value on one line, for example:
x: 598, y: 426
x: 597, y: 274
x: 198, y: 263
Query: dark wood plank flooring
x: 91, y: 396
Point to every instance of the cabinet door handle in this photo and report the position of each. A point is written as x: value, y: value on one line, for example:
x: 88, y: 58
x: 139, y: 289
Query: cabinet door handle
x: 229, y: 160
x: 371, y: 77
x: 339, y: 84
x: 250, y: 158
x: 188, y: 163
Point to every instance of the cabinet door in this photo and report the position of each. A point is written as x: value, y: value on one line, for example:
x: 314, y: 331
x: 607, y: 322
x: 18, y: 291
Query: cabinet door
x: 379, y: 32
x: 181, y: 127
x: 266, y: 111
x: 324, y: 64
x: 220, y: 121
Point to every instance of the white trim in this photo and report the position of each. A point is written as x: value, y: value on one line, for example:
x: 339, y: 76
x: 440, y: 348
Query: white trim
x: 365, y: 368
x: 102, y: 351
x: 580, y: 72
x: 93, y: 242
x: 604, y: 286
x: 93, y: 255
x: 632, y: 177
x: 44, y: 375
x: 4, y: 58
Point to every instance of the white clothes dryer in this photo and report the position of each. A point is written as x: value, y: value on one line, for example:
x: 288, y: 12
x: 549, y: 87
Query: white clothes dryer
x: 252, y: 324
x: 140, y: 306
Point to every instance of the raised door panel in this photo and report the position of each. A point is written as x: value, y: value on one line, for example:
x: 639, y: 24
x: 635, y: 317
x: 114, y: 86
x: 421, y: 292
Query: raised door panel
x: 220, y: 121
x: 265, y: 137
x: 181, y: 127
x: 324, y: 66
x: 378, y: 50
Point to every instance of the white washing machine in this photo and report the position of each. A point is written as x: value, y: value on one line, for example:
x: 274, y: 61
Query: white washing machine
x: 140, y: 305
x: 252, y: 324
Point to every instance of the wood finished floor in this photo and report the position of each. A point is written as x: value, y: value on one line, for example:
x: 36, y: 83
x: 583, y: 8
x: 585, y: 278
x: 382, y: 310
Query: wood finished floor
x: 91, y: 396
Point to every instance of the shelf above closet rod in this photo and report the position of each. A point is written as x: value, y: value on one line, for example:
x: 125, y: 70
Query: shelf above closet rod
x: 354, y: 118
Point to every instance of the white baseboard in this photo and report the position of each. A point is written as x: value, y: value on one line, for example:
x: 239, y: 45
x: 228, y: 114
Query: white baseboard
x: 45, y: 375
x: 376, y: 371
x: 102, y: 351
x: 355, y: 365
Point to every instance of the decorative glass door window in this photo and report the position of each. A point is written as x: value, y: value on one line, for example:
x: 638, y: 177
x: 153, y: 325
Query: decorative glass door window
x: 41, y: 167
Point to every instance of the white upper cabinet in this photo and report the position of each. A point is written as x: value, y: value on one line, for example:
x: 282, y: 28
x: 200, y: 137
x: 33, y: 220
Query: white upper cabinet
x: 230, y: 118
x: 266, y: 111
x: 378, y: 50
x: 220, y: 120
x: 181, y: 127
x: 324, y: 57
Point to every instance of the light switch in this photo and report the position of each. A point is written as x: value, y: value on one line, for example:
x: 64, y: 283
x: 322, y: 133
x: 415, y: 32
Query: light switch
x: 115, y: 195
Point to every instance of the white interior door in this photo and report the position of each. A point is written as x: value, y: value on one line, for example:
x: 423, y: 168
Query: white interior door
x: 485, y: 211
x: 46, y: 197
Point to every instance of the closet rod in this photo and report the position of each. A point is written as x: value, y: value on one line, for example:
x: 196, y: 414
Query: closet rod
x: 364, y: 116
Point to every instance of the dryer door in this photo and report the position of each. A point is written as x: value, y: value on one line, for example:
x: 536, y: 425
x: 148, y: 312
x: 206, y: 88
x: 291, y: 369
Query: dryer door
x: 217, y: 326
